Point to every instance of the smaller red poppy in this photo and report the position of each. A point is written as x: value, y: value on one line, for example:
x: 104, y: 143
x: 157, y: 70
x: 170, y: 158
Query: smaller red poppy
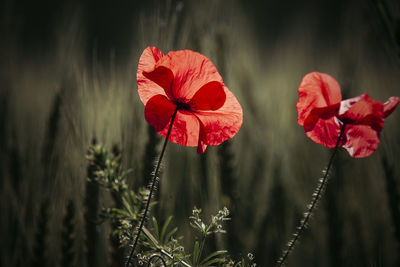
x: 207, y: 111
x: 322, y: 113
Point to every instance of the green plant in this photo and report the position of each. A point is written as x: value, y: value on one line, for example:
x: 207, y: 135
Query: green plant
x: 215, y: 226
x: 159, y: 244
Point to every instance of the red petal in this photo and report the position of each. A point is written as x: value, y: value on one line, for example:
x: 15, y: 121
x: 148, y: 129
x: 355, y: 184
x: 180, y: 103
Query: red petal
x: 325, y: 132
x: 390, y: 105
x: 317, y: 91
x: 191, y: 72
x: 362, y: 110
x: 189, y: 78
x: 361, y: 140
x: 146, y: 87
x: 185, y: 129
x: 163, y: 77
x: 210, y: 96
x: 221, y: 125
x: 319, y: 113
x: 158, y: 112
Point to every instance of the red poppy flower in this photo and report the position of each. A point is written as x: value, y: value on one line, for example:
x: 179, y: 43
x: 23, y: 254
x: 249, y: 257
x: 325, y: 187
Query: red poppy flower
x: 207, y: 112
x: 322, y: 113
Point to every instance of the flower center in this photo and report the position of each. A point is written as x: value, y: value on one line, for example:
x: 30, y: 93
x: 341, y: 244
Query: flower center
x: 346, y: 120
x: 182, y: 105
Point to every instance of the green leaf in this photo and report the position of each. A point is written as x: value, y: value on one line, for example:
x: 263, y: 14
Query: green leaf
x: 216, y: 260
x: 168, y: 236
x: 150, y: 237
x: 213, y: 255
x: 196, y: 226
x: 164, y: 229
x: 196, y: 251
x: 127, y: 201
x: 155, y: 226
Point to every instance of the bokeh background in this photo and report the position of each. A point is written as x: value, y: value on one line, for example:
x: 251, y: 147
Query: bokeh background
x: 68, y: 74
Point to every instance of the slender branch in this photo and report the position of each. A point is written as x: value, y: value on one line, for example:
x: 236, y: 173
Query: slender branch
x: 316, y: 197
x: 153, y: 182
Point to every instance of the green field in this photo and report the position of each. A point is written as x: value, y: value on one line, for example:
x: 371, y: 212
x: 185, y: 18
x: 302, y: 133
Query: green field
x: 54, y: 100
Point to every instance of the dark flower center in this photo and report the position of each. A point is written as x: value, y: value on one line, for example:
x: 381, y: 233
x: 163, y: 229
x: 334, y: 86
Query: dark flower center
x: 182, y: 105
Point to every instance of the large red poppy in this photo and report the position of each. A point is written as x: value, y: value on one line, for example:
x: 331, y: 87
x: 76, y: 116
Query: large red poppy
x: 207, y: 112
x: 322, y: 113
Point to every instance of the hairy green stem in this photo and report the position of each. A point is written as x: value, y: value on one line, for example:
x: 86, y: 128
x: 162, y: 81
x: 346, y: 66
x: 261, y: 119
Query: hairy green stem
x: 316, y: 197
x: 153, y: 182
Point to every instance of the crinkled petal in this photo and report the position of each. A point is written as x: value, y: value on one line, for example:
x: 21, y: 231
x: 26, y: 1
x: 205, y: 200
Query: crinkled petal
x: 390, y: 105
x: 222, y: 124
x: 191, y: 72
x: 147, y: 62
x: 325, y: 132
x: 318, y: 91
x: 208, y: 113
x: 362, y: 110
x: 361, y: 140
x: 163, y: 77
x: 347, y: 103
x: 319, y: 113
x: 185, y: 129
x: 158, y: 112
x: 210, y: 96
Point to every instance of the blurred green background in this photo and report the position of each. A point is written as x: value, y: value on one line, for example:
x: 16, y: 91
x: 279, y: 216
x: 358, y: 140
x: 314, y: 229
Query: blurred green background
x: 68, y: 73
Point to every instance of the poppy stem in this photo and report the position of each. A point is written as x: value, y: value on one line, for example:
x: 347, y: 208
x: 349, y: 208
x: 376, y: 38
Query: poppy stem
x: 153, y: 182
x: 310, y: 208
